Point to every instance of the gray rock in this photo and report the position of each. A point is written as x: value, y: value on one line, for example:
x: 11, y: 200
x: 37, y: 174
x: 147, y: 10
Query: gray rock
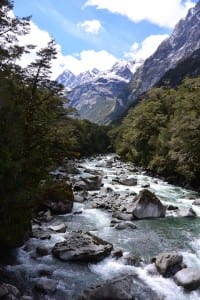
x: 123, y: 216
x: 126, y: 287
x: 106, y: 190
x: 128, y: 181
x: 196, y: 202
x: 117, y: 253
x: 60, y: 228
x: 46, y: 286
x: 189, y: 278
x: 42, y: 250
x: 147, y: 205
x: 131, y: 260
x: 124, y: 225
x: 190, y: 213
x: 88, y: 182
x: 169, y: 264
x: 93, y: 182
x: 114, y: 221
x: 41, y: 234
x: 82, y: 246
x: 78, y: 198
x: 80, y: 186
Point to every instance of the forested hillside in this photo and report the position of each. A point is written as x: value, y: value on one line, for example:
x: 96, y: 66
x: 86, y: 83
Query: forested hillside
x: 162, y: 133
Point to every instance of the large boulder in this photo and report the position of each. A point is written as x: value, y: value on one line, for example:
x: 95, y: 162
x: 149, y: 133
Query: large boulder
x: 169, y: 264
x: 82, y: 246
x: 88, y: 182
x: 80, y: 185
x: 132, y: 181
x: 146, y: 205
x: 189, y: 278
x: 58, y: 197
x: 126, y: 287
x: 93, y: 182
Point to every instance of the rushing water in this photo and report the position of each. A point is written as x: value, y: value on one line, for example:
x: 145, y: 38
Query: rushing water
x: 150, y: 238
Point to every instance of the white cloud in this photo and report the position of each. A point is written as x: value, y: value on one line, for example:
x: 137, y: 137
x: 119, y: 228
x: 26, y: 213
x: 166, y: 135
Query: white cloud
x: 146, y: 48
x: 86, y: 60
x: 90, y: 26
x: 165, y: 13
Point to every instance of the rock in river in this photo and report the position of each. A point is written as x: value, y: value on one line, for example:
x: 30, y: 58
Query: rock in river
x: 82, y: 246
x: 124, y: 225
x: 46, y: 286
x: 169, y: 264
x: 132, y: 181
x: 126, y: 287
x: 189, y: 278
x: 146, y: 205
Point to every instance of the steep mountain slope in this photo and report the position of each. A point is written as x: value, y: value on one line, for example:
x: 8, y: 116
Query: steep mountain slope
x: 189, y: 67
x: 184, y: 40
x: 94, y: 93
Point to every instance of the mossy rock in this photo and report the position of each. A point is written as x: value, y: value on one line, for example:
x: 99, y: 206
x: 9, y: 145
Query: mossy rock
x: 57, y: 196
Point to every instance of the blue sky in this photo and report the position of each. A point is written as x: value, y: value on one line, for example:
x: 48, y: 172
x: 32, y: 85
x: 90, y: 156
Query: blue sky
x: 95, y: 33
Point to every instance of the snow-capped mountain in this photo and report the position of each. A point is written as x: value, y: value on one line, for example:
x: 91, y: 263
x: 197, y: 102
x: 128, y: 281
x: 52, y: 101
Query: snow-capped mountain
x: 184, y: 40
x: 94, y: 93
x: 69, y: 80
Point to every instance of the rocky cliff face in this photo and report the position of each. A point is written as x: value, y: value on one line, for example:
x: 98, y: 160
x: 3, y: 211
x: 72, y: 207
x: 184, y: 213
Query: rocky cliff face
x: 189, y: 67
x: 184, y: 40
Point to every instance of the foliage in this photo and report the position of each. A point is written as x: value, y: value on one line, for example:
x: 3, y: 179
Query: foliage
x: 162, y: 133
x: 35, y: 130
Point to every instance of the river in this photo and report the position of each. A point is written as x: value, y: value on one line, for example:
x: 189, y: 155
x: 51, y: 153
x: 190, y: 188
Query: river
x: 151, y: 237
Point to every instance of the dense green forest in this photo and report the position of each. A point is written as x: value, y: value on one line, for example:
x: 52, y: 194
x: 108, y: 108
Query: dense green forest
x: 36, y: 132
x: 162, y: 133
